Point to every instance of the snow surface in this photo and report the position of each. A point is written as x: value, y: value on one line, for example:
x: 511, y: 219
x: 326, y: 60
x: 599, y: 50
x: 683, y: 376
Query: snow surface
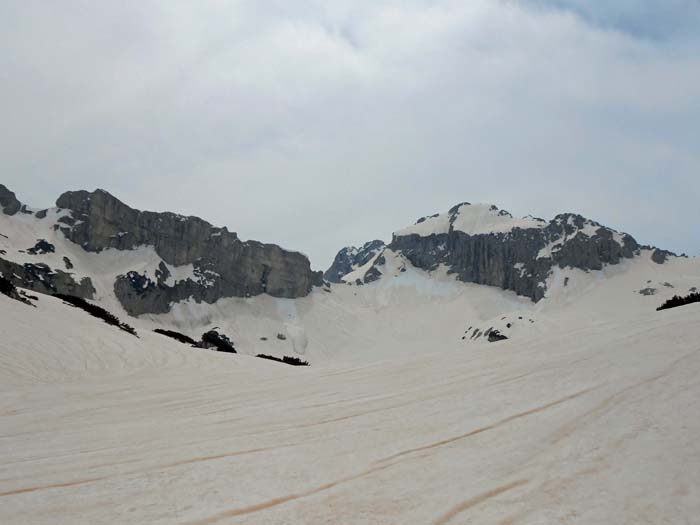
x: 472, y: 219
x: 179, y: 273
x: 587, y: 414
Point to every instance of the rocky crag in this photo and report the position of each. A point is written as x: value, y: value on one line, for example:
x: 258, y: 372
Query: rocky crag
x: 351, y: 258
x: 38, y: 277
x: 220, y: 264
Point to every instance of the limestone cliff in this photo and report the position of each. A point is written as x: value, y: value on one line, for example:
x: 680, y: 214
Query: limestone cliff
x: 484, y: 245
x: 223, y: 265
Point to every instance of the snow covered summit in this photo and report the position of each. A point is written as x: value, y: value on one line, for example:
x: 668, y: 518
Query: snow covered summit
x: 483, y: 244
x: 472, y: 219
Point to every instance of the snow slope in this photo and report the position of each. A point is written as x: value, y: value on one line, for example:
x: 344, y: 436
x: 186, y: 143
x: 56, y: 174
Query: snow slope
x: 396, y: 316
x: 588, y: 423
x: 391, y: 317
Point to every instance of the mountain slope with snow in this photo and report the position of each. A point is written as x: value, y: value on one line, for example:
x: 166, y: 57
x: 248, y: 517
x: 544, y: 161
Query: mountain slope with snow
x: 431, y: 398
x: 412, y: 288
x: 482, y: 244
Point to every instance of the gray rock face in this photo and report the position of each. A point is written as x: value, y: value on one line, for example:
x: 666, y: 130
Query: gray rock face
x: 351, y: 258
x: 41, y: 278
x: 223, y: 265
x: 8, y: 201
x: 374, y: 273
x: 519, y: 259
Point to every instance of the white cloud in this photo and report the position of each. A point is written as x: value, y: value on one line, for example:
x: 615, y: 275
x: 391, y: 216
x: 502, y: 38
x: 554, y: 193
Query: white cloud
x: 317, y: 124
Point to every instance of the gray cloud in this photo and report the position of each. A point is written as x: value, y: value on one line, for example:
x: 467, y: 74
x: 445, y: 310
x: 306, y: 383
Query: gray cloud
x: 318, y: 124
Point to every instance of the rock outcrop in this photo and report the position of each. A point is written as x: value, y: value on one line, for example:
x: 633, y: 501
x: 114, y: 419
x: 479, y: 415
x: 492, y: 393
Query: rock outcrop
x: 484, y: 245
x: 222, y: 264
x: 661, y: 256
x: 41, y: 278
x: 351, y: 258
x: 10, y: 290
x: 495, y: 336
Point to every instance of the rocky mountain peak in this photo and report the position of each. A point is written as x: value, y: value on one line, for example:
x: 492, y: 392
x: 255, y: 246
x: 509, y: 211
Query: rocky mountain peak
x: 483, y: 244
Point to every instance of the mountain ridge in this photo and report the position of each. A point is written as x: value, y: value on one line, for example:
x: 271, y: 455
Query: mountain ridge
x: 170, y: 258
x: 216, y: 263
x: 160, y: 269
x: 483, y: 244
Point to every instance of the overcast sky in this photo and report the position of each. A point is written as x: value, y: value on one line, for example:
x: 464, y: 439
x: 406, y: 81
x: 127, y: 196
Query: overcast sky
x: 318, y: 124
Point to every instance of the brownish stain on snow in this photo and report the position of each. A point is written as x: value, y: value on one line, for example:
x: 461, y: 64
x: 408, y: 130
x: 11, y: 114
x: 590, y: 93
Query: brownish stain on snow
x: 497, y: 424
x: 197, y: 459
x: 380, y: 465
x: 284, y: 499
x: 471, y: 502
x: 51, y: 486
